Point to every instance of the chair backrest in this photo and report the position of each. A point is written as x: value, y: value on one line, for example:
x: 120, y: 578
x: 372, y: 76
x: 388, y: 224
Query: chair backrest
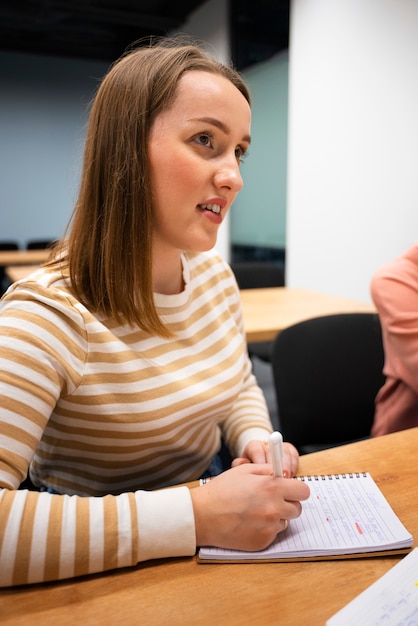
x: 6, y: 245
x: 257, y: 274
x: 9, y: 245
x: 327, y: 372
x: 40, y: 244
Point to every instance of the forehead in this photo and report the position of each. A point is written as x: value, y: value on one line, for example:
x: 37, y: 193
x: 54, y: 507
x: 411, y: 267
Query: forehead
x: 203, y: 93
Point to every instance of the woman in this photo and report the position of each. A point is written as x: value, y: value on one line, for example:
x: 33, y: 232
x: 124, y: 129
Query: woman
x: 124, y: 360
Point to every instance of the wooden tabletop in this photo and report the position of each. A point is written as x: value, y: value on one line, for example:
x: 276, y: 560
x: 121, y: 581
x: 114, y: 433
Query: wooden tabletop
x: 267, y: 311
x: 183, y: 592
x: 16, y: 272
x: 23, y: 257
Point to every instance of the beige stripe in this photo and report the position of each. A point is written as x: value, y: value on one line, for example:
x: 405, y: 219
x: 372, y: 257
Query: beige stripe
x: 23, y: 437
x: 23, y: 552
x: 110, y: 560
x: 52, y: 559
x: 134, y: 524
x: 82, y: 539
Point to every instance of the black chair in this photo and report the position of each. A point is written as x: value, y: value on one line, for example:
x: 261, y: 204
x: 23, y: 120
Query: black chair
x: 9, y: 245
x: 40, y: 244
x: 256, y: 275
x: 327, y: 372
x: 6, y: 245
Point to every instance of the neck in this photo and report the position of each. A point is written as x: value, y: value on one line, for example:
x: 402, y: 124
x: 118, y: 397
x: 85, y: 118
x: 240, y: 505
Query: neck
x: 167, y: 275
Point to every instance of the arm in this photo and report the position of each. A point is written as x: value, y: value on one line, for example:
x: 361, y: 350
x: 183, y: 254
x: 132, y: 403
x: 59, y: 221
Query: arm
x: 47, y: 536
x: 394, y: 291
x: 248, y: 426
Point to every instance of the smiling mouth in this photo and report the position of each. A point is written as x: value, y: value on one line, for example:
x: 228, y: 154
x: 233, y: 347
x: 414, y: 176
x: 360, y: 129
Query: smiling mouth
x: 213, y: 208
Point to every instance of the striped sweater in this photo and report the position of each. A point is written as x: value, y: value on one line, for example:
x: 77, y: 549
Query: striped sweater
x: 106, y: 415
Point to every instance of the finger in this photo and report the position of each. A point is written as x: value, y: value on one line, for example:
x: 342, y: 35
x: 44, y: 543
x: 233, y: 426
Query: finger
x: 260, y: 452
x: 283, y: 524
x: 239, y: 461
x: 289, y: 465
x: 253, y: 468
x: 290, y: 460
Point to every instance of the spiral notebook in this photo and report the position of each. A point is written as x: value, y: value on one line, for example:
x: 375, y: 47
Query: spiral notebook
x: 346, y: 516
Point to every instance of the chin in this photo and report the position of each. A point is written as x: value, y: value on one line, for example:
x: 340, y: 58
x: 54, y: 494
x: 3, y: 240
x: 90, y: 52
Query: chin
x: 201, y: 246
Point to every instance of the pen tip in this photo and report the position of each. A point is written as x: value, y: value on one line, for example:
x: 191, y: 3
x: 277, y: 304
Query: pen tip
x: 276, y: 437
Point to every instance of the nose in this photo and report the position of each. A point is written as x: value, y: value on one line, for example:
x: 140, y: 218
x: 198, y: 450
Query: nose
x: 228, y: 174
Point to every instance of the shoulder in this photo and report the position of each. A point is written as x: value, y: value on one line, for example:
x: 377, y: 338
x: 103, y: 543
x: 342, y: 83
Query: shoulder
x: 403, y: 268
x: 210, y: 266
x: 46, y: 289
x: 396, y: 281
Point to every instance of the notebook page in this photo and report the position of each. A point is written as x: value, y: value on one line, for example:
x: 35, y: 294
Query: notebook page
x: 391, y: 600
x: 345, y: 514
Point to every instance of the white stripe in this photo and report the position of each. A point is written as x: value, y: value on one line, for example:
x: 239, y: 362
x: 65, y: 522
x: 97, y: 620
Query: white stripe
x: 20, y: 421
x: 12, y: 445
x: 68, y: 537
x: 39, y: 538
x: 125, y: 531
x: 96, y: 530
x: 10, y: 539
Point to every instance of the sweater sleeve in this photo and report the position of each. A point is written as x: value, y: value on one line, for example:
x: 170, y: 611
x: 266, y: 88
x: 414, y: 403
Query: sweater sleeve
x: 47, y: 537
x: 394, y: 290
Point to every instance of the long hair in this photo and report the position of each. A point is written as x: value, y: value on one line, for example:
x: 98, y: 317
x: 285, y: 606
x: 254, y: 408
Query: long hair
x: 109, y: 246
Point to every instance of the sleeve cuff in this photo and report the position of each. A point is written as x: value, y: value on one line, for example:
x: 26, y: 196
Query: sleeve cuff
x: 250, y: 435
x: 166, y: 526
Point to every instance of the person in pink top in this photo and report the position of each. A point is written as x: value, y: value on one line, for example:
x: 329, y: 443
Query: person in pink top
x: 394, y: 289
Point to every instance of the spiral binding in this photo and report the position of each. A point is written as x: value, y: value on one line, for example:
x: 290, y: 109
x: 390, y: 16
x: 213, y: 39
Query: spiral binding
x: 318, y: 477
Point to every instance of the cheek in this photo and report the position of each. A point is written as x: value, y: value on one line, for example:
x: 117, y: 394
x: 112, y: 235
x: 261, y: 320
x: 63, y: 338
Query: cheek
x: 162, y: 162
x: 175, y: 176
x: 175, y: 170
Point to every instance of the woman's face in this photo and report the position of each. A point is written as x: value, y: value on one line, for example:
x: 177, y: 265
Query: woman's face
x: 195, y: 150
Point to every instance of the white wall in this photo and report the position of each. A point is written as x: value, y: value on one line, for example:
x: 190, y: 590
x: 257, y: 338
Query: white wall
x: 209, y: 23
x: 353, y: 141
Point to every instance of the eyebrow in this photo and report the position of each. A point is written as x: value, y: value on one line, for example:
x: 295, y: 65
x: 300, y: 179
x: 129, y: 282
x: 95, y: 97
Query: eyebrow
x: 223, y: 127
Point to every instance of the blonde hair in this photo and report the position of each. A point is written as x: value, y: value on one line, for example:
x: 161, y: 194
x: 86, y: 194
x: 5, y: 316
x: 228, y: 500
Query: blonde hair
x: 109, y: 243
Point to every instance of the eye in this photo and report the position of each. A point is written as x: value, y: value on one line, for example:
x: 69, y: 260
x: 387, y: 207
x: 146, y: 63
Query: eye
x: 204, y: 139
x: 240, y: 153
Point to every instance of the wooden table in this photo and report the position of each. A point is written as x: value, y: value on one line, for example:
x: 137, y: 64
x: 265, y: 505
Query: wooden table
x: 16, y: 272
x: 267, y: 311
x: 23, y: 257
x: 183, y: 592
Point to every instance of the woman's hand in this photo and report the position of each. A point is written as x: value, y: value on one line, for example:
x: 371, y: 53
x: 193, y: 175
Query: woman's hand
x: 246, y: 507
x: 259, y: 452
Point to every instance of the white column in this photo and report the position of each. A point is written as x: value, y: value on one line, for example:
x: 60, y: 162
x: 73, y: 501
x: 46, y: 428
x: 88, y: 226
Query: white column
x: 353, y: 140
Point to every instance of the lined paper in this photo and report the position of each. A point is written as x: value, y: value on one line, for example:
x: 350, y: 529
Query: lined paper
x: 391, y: 600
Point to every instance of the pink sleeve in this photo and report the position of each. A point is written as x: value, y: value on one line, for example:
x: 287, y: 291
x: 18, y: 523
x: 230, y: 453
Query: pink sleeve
x: 394, y: 290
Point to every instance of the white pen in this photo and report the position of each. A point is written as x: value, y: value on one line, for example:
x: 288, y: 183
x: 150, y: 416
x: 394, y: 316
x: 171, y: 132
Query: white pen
x: 276, y: 450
